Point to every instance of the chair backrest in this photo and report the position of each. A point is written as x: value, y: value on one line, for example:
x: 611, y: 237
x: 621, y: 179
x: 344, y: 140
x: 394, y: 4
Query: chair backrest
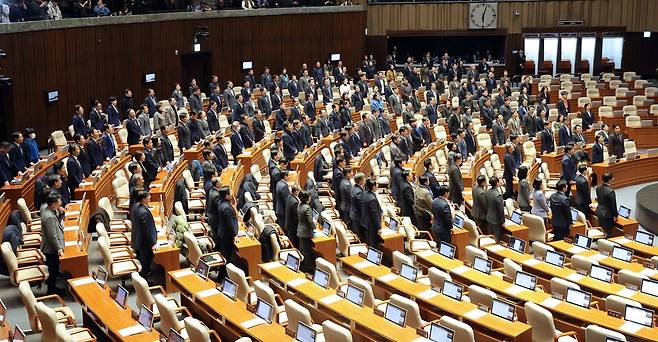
x: 608, y: 76
x: 369, y: 296
x: 618, y: 304
x: 10, y: 260
x: 168, y: 319
x: 619, y: 91
x: 595, y: 333
x: 334, y: 332
x: 48, y: 319
x: 104, y: 247
x: 592, y: 92
x: 629, y: 110
x: 196, y: 330
x: 540, y: 248
x: 123, y: 135
x: 62, y: 334
x: 144, y: 296
x: 560, y: 286
x: 473, y: 232
x: 609, y: 101
x: 606, y: 111
x: 296, y: 313
x: 400, y: 258
x: 653, y: 109
x: 582, y: 263
x: 437, y: 277
x: 121, y: 188
x: 634, y: 121
x: 264, y: 292
x: 629, y: 75
x: 462, y: 331
x: 510, y: 267
x: 481, y: 296
x: 605, y: 245
x: 105, y: 203
x: 238, y: 277
x: 640, y: 84
x: 413, y: 311
x: 324, y: 265
x: 343, y: 243
x: 651, y: 91
x: 23, y: 209
x: 495, y: 162
x: 189, y: 181
x: 529, y: 151
x: 484, y: 141
x: 541, y: 321
x: 576, y: 122
x: 628, y: 277
x: 471, y: 252
x: 180, y: 211
x: 58, y: 138
x: 193, y: 250
x: 629, y: 146
x: 29, y: 300
x: 510, y: 206
x: 255, y: 171
x: 536, y: 227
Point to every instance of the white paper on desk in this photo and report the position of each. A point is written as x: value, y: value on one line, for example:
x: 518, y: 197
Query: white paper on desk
x: 71, y: 228
x: 622, y: 240
x: 297, y: 282
x: 649, y: 272
x: 514, y: 289
x: 82, y: 281
x: 550, y: 302
x: 495, y: 248
x: 86, y: 183
x: 182, y: 273
x: 575, y: 277
x: 387, y: 277
x: 475, y: 314
x: 420, y: 339
x: 362, y: 264
x: 531, y: 262
x: 625, y: 292
x: 71, y: 213
x: 460, y: 269
x: 134, y: 330
x: 427, y: 294
x: 71, y: 243
x: 598, y: 256
x: 576, y: 250
x: 330, y: 299
x: 426, y: 253
x: 207, y: 293
x: 270, y: 265
x: 630, y: 327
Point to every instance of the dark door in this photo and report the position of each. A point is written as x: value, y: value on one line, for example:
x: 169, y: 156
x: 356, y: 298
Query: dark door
x: 197, y: 66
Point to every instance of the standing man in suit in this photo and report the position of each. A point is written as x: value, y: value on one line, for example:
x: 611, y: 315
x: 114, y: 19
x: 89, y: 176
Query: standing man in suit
x: 509, y: 171
x: 144, y: 120
x: 94, y: 149
x: 597, y: 149
x: 258, y: 125
x: 144, y: 239
x: 583, y: 190
x: 406, y: 201
x: 291, y: 217
x: 455, y: 180
x: 304, y: 230
x: 563, y: 105
x: 547, y: 139
x: 564, y: 133
x: 479, y: 207
x: 586, y: 115
x: 150, y: 101
x: 616, y: 142
x: 74, y: 169
x: 266, y: 79
x: 365, y: 132
x: 561, y: 210
x: 213, y: 117
x: 184, y: 135
x: 16, y: 152
x: 78, y: 122
x: 423, y: 204
x: 433, y: 183
x: 371, y: 213
x: 289, y: 145
x: 113, y: 116
x: 228, y: 223
x: 499, y: 131
x: 337, y: 178
x: 604, y: 133
x: 606, y: 210
x: 495, y: 208
x: 229, y: 95
x: 431, y: 111
x: 265, y: 103
x: 282, y: 194
x: 346, y: 196
x: 212, y: 209
x: 356, y: 200
x: 132, y: 126
x: 107, y: 142
x: 237, y: 144
x: 52, y: 244
x: 568, y: 166
x: 96, y: 117
x: 442, y: 216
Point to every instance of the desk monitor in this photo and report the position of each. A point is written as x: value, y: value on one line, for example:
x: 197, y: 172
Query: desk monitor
x: 3, y: 313
x: 502, y: 309
x: 578, y: 297
x: 101, y: 276
x: 395, y: 314
x: 440, y: 334
x: 264, y: 310
x: 202, y: 269
x: 229, y: 288
x: 355, y: 295
x: 481, y: 264
x: 624, y: 212
x: 601, y: 273
x: 554, y: 258
x: 321, y: 278
x: 516, y: 217
x: 374, y: 256
x: 304, y: 333
x: 326, y: 228
x: 582, y: 241
x: 622, y: 253
x: 145, y: 317
x: 458, y: 221
x: 649, y: 287
x: 409, y: 272
x: 644, y: 238
x: 121, y: 296
x: 393, y: 224
x: 292, y: 262
x: 452, y: 290
x: 574, y: 215
x: 638, y: 315
x: 316, y: 215
x: 525, y: 280
x: 447, y: 250
x: 517, y: 244
x: 174, y: 336
x: 17, y: 335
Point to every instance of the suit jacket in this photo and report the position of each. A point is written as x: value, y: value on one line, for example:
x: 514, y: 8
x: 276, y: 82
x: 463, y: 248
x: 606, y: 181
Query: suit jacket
x: 95, y: 154
x: 547, y: 141
x: 587, y: 119
x: 229, y: 97
x: 597, y: 153
x: 52, y: 230
x: 616, y: 145
x: 265, y: 104
x: 289, y: 146
x: 83, y: 158
x: 212, y: 209
x: 365, y: 133
x: 509, y: 169
x: 113, y: 117
x: 406, y: 201
x: 195, y: 103
x: 96, y: 120
x: 495, y: 206
x: 568, y: 169
x: 152, y: 103
x: 228, y: 221
x: 282, y: 194
x: 134, y: 132
x: 150, y: 165
x: 583, y: 192
x: 562, y: 108
x: 237, y: 145
x: 371, y: 212
x: 560, y: 210
x: 423, y: 201
x: 144, y: 234
x: 258, y: 128
x: 17, y: 158
x: 470, y: 142
x: 455, y: 183
x: 498, y: 134
x: 607, y: 202
x: 336, y: 179
x: 578, y: 138
x: 144, y: 124
x: 479, y: 207
x: 213, y: 120
x: 160, y: 119
x: 425, y: 134
x: 356, y: 201
x: 442, y: 215
x: 529, y: 123
x: 216, y: 97
x: 184, y: 137
x: 395, y: 103
x: 79, y: 125
x: 292, y: 218
x: 564, y: 135
x: 108, y: 146
x: 396, y: 179
x: 306, y: 225
x: 345, y: 196
x: 75, y: 175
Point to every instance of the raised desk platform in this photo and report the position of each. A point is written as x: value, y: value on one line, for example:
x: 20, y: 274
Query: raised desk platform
x: 646, y: 207
x: 630, y: 172
x: 25, y: 189
x: 645, y: 137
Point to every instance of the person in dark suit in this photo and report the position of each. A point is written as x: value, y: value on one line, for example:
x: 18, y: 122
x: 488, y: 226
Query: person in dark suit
x: 587, y: 116
x: 577, y: 136
x: 16, y: 153
x: 406, y: 193
x: 107, y: 144
x: 237, y: 144
x: 144, y: 235
x: 509, y: 171
x: 309, y: 106
x: 151, y: 101
x: 112, y: 110
x: 212, y: 213
x: 150, y: 162
x: 498, y: 131
x: 228, y: 223
x: 291, y: 217
x: 433, y: 183
x: 479, y: 207
x: 258, y: 125
x: 455, y: 180
x: 365, y: 132
x: 74, y: 168
x: 561, y: 210
x: 616, y: 142
x: 604, y: 133
x: 83, y: 158
x: 184, y: 134
x: 442, y: 216
x: 212, y: 117
x: 396, y: 177
x: 597, y: 149
x: 52, y: 245
x: 568, y: 165
x: 7, y: 171
x: 336, y: 179
x: 345, y: 190
x: 356, y: 200
x: 289, y: 146
x: 282, y: 194
x: 195, y: 101
x: 564, y: 133
x: 132, y: 126
x: 221, y: 157
x: 78, y: 121
x: 431, y: 112
x: 547, y: 139
x: 583, y: 190
x: 304, y: 231
x: 495, y: 208
x: 167, y: 146
x: 371, y: 213
x: 94, y: 149
x: 95, y: 118
x: 606, y: 210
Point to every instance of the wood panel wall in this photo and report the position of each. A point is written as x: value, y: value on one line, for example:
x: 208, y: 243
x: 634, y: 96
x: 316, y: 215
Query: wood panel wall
x: 84, y: 63
x: 635, y: 15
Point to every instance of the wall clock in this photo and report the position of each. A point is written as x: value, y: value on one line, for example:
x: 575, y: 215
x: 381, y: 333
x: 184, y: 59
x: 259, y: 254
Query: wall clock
x: 483, y: 15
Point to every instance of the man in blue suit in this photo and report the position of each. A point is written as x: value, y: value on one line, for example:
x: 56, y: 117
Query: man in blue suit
x: 564, y: 133
x: 237, y: 145
x: 112, y: 110
x: 221, y: 158
x: 568, y: 165
x: 94, y: 150
x: 151, y: 102
x: 547, y: 139
x: 430, y: 110
x: 134, y: 132
x: 289, y: 145
x: 78, y: 122
x: 74, y: 169
x: 107, y: 143
x: 424, y: 132
x: 95, y: 117
x: 16, y: 153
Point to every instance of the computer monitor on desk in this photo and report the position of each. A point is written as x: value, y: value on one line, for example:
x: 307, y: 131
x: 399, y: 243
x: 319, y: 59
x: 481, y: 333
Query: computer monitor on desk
x: 395, y: 314
x: 644, y: 238
x: 305, y: 333
x: 355, y: 295
x: 624, y: 212
x: 638, y: 315
x: 321, y: 278
x: 145, y: 317
x: 439, y: 333
x: 503, y: 309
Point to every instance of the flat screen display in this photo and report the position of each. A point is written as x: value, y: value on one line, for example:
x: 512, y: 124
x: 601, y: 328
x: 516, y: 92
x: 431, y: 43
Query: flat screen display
x: 447, y: 250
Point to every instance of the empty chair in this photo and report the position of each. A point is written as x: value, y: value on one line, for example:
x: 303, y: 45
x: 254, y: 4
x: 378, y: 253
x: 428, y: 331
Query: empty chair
x: 539, y: 248
x: 582, y: 263
x: 122, y: 192
x: 595, y: 333
x: 582, y: 101
x: 48, y: 319
x: 620, y: 91
x: 640, y: 84
x: 629, y: 76
x: 481, y: 296
x: 33, y: 274
x: 629, y: 146
x: 413, y: 318
x: 116, y: 223
x: 609, y: 101
x: 618, y: 304
x: 345, y: 247
x: 335, y: 333
x: 638, y: 100
x: 606, y: 112
x: 589, y: 84
x: 608, y: 76
x: 63, y: 313
x: 297, y: 313
x: 29, y: 218
x: 437, y: 277
x: 653, y: 110
x: 369, y: 299
x: 116, y: 268
x: 414, y: 241
x: 593, y: 93
x: 595, y: 233
x: 536, y: 228
x: 628, y: 277
x: 629, y: 110
x: 585, y: 77
x: 168, y: 319
x: 264, y: 292
x: 543, y: 326
x: 560, y: 286
x: 245, y: 289
x: 329, y: 268
x: 484, y: 141
x: 605, y: 245
x: 511, y: 268
x: 462, y: 331
x: 197, y: 331
x: 529, y: 153
x: 59, y: 140
x: 475, y: 236
x: 471, y: 252
x: 400, y: 258
x: 113, y: 238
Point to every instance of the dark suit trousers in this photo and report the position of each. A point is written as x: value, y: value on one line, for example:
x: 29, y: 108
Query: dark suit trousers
x: 52, y: 261
x: 584, y: 209
x: 560, y: 233
x: 145, y: 257
x: 496, y: 230
x: 226, y: 248
x: 306, y: 248
x: 373, y: 238
x: 439, y: 236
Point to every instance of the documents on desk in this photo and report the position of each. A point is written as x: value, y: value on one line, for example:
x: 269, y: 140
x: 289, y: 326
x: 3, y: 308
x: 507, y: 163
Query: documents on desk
x: 133, y: 330
x: 253, y: 322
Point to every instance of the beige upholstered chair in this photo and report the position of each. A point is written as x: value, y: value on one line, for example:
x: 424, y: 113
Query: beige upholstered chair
x: 582, y: 263
x: 297, y: 313
x: 335, y: 333
x: 245, y: 290
x: 329, y: 268
x: 59, y: 140
x: 653, y: 110
x: 264, y: 292
x: 609, y: 101
x: 33, y: 274
x: 462, y: 331
x: 484, y: 141
x: 629, y: 110
x: 116, y: 223
x: 638, y: 100
x: 62, y: 312
x: 413, y: 318
x: 122, y: 193
x: 540, y: 248
x: 618, y: 304
x: 475, y: 236
x: 628, y: 277
x: 199, y: 332
x: 595, y: 333
x: 471, y: 252
x: 559, y: 286
x: 194, y: 253
x: 606, y: 112
x: 543, y: 326
x: 629, y: 76
x: 437, y: 277
x: 345, y: 247
x: 168, y: 318
x: 369, y: 299
x: 48, y: 319
x: 481, y: 296
x: 536, y: 228
x: 120, y: 267
x: 629, y: 146
x: 511, y: 268
x: 620, y: 92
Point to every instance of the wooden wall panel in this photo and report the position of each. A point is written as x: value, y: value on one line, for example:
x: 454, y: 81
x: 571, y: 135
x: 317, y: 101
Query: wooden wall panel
x: 100, y: 61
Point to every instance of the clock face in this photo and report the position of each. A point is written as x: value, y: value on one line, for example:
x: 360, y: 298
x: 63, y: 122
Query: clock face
x: 483, y: 16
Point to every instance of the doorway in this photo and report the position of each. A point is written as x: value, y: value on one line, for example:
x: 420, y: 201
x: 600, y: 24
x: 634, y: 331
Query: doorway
x: 197, y: 66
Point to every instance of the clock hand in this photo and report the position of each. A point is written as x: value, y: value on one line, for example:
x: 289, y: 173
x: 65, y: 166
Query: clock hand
x: 484, y: 12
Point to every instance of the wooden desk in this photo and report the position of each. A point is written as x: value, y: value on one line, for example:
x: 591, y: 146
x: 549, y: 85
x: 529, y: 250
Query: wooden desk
x: 164, y: 186
x: 75, y: 258
x: 554, y: 160
x: 646, y: 137
x: 26, y: 188
x: 102, y: 314
x: 325, y: 247
x: 305, y: 161
x: 103, y: 186
x: 5, y: 211
x: 488, y: 327
x: 219, y: 312
x: 630, y: 172
x: 325, y: 303
x: 254, y: 154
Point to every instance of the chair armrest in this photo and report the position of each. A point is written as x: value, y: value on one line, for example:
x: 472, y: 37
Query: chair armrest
x: 213, y: 333
x: 568, y: 333
x: 250, y: 280
x: 482, y: 237
x: 540, y: 286
x: 424, y: 234
x: 49, y: 297
x: 278, y: 299
x: 595, y: 303
x: 184, y: 310
x: 159, y: 288
x: 29, y: 258
x: 381, y: 304
x: 43, y: 275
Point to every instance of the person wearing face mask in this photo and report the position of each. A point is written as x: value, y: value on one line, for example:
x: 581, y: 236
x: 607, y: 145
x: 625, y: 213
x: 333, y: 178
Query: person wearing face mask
x: 30, y: 147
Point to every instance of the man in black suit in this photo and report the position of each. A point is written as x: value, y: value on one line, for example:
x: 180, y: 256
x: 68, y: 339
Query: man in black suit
x: 144, y: 235
x: 455, y: 180
x: 561, y: 211
x: 547, y: 139
x: 212, y: 208
x: 529, y: 123
x: 216, y: 96
x: 227, y: 223
x: 564, y: 133
x: 132, y: 126
x: 7, y: 172
x: 336, y: 179
x: 151, y: 101
x: 345, y: 189
x: 407, y: 196
x: 309, y: 106
x: 78, y: 121
x: 597, y: 149
x: 81, y: 141
x: 95, y: 117
x: 469, y: 138
x: 563, y: 105
x: 74, y: 168
x: 616, y: 142
x: 371, y: 213
x: 113, y: 116
x: 568, y: 166
x: 442, y: 216
x: 150, y: 162
x: 587, y: 116
x: 94, y: 149
x: 509, y: 171
x: 16, y: 152
x: 356, y: 200
x: 266, y: 79
x: 289, y: 146
x: 606, y: 210
x: 499, y: 131
x: 167, y: 146
x: 577, y: 136
x: 495, y: 208
x: 583, y: 190
x: 258, y: 125
x: 265, y: 103
x: 184, y: 135
x: 291, y: 217
x: 282, y: 194
x: 479, y: 207
x: 237, y: 144
x: 213, y: 117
